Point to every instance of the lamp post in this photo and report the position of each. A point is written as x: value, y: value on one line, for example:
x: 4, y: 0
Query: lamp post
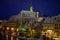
x: 17, y: 32
x: 7, y: 30
x: 12, y: 33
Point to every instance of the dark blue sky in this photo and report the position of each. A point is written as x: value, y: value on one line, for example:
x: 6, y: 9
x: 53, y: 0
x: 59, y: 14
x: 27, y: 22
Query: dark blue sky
x: 13, y: 7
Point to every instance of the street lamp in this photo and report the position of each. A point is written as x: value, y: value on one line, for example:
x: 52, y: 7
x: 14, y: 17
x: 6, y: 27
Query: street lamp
x: 7, y: 28
x: 17, y: 32
x: 12, y: 33
x: 12, y: 29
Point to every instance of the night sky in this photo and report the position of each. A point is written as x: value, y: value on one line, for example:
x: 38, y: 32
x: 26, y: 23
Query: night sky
x: 44, y: 7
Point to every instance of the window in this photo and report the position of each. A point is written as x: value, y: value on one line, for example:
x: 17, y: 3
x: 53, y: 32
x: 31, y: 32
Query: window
x: 56, y: 26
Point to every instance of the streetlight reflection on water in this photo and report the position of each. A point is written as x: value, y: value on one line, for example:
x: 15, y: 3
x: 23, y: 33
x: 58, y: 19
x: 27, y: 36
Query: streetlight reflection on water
x: 15, y: 31
x: 12, y: 32
x: 7, y: 33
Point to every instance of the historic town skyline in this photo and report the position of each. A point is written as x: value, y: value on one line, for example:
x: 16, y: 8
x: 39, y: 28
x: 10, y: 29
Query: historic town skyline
x: 13, y: 7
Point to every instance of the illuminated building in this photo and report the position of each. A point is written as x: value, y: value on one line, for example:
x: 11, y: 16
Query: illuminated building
x: 25, y: 15
x: 57, y: 27
x: 49, y: 20
x: 52, y: 23
x: 30, y: 17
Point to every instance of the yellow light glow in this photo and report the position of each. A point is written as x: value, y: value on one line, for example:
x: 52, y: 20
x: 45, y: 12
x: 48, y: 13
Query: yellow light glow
x: 39, y: 19
x: 49, y: 33
x: 33, y: 31
x: 43, y: 33
x: 12, y: 29
x: 17, y: 29
x: 7, y: 28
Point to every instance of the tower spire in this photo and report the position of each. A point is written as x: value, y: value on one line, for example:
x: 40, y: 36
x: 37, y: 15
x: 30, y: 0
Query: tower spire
x: 31, y: 8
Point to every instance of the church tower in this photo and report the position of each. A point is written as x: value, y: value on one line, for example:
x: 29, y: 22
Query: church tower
x: 37, y: 14
x: 31, y: 8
